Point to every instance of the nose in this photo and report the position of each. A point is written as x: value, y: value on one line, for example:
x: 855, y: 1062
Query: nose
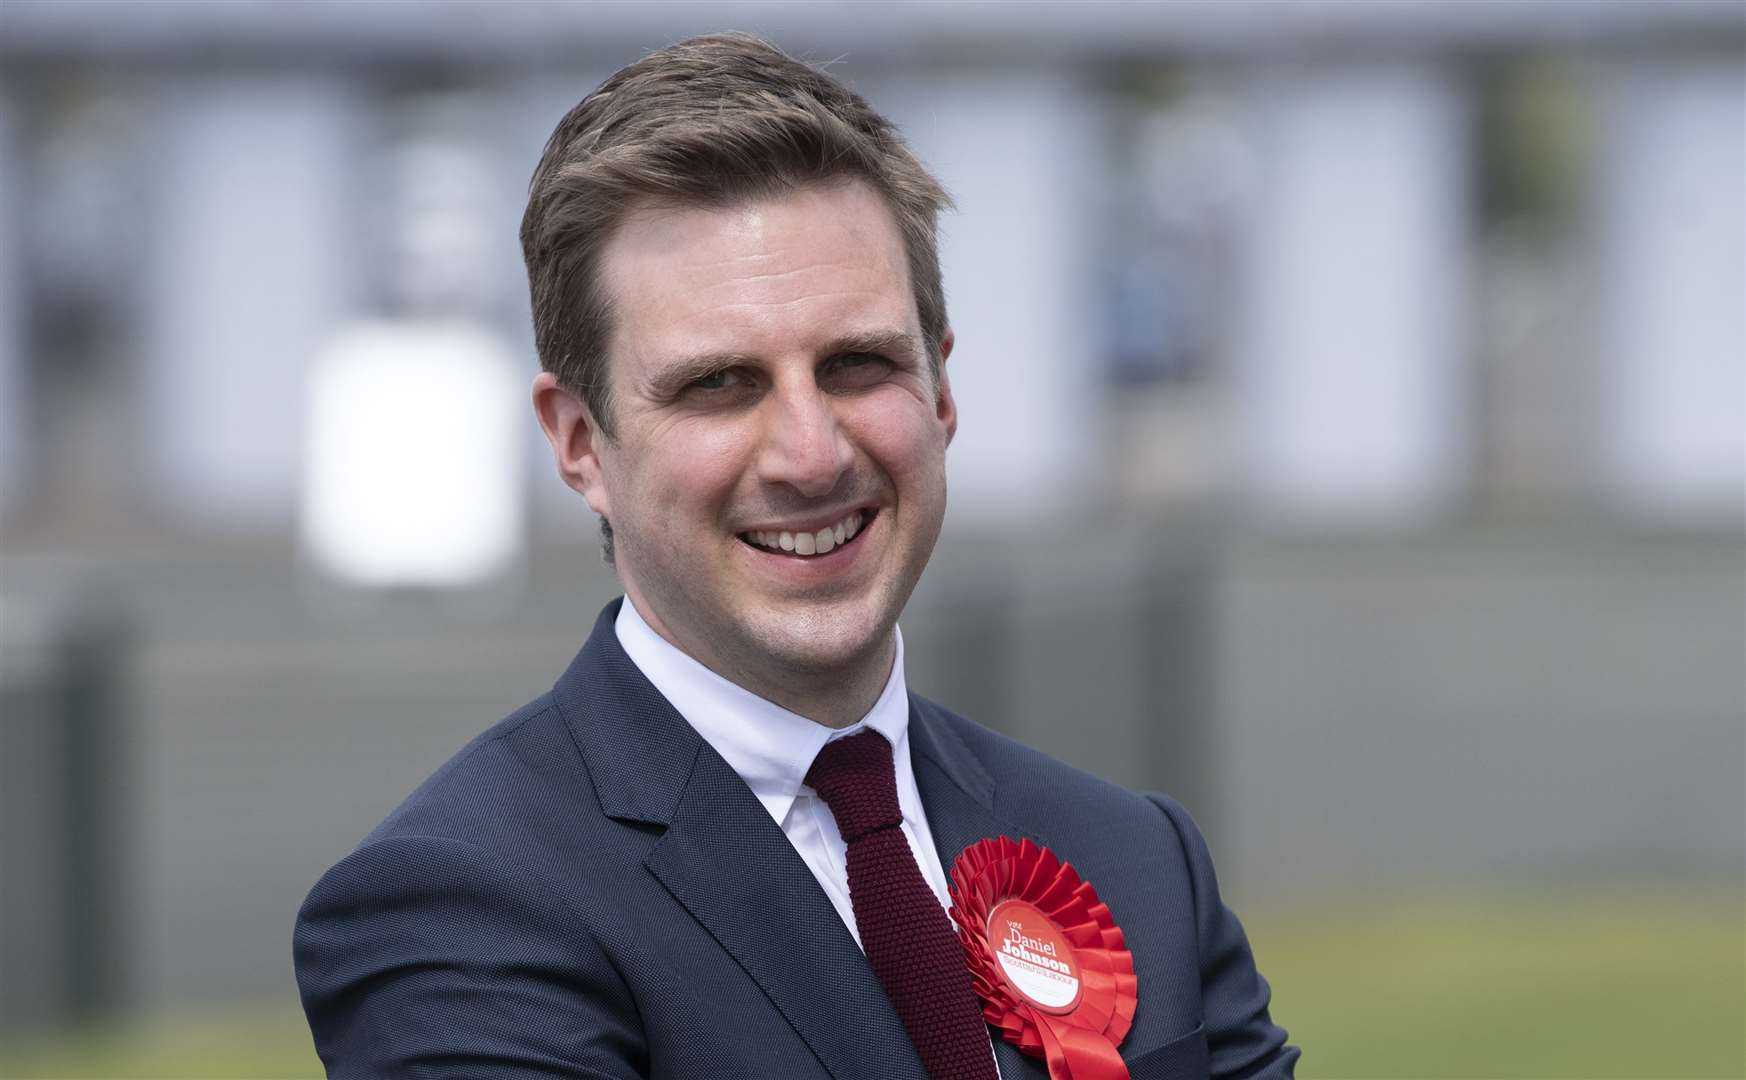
x: 804, y: 445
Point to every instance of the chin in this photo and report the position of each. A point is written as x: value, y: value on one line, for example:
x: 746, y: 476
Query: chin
x: 821, y: 642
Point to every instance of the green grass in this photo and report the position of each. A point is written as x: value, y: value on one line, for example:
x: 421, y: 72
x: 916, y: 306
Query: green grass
x: 1594, y: 984
x: 1645, y: 983
x: 258, y: 1041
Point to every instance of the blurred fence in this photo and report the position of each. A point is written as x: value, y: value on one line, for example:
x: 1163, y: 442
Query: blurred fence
x: 64, y: 762
x: 1542, y: 704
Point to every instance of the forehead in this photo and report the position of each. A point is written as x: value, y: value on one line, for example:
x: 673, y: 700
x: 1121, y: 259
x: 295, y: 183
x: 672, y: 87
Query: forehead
x: 763, y: 277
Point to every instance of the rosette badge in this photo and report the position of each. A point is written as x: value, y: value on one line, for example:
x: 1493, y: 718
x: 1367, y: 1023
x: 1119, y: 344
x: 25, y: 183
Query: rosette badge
x: 1047, y: 959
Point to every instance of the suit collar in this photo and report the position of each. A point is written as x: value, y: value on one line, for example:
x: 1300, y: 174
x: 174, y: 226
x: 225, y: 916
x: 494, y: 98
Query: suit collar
x: 932, y: 738
x: 769, y: 747
x: 639, y: 751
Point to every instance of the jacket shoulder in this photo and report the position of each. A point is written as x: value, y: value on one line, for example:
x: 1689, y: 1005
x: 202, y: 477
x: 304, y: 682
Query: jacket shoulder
x: 520, y: 795
x: 525, y: 757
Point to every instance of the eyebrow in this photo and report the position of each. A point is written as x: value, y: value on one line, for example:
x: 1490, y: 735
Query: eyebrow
x: 668, y: 382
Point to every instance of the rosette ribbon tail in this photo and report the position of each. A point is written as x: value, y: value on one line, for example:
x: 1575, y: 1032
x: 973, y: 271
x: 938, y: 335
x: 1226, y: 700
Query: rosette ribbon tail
x: 1073, y: 1053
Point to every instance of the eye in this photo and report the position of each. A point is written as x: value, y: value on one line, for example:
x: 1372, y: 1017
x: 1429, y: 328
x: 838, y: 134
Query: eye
x: 852, y: 371
x: 727, y: 387
x: 717, y: 381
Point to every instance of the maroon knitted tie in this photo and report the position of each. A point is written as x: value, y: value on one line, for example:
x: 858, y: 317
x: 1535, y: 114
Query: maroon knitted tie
x: 905, y: 933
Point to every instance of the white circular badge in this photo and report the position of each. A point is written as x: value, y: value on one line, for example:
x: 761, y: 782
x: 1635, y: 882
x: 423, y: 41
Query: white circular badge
x: 1034, y: 956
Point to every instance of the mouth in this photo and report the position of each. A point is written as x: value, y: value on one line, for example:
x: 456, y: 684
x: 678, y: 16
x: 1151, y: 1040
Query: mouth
x: 811, y: 543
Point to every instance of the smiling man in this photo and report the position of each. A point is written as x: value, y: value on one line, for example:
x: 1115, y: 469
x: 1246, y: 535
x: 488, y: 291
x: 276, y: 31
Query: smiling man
x: 723, y: 844
x: 775, y: 469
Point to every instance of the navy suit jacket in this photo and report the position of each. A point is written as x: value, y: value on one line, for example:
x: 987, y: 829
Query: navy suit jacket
x: 588, y: 890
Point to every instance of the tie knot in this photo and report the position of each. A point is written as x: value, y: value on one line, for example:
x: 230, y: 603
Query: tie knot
x: 858, y: 781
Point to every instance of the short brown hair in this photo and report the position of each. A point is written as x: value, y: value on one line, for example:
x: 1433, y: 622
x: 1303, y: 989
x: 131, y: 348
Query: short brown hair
x: 709, y: 121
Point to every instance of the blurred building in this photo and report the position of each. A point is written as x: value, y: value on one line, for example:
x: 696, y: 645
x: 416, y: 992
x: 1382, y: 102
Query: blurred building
x: 1392, y: 260
x: 1353, y: 412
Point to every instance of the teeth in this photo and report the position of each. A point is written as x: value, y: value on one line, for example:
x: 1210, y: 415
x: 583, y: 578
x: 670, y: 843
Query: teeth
x: 809, y: 543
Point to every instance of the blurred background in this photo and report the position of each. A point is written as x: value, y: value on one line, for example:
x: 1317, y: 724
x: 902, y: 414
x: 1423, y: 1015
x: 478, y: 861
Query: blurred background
x: 1353, y: 443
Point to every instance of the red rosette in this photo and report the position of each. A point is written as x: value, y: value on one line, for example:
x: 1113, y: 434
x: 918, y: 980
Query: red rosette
x: 1048, y: 961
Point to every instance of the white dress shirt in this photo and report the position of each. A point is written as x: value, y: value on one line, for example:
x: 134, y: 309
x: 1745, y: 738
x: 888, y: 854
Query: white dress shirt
x: 772, y: 749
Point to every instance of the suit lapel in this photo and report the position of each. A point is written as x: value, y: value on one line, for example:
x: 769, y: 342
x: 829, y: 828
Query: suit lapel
x: 958, y: 794
x: 729, y: 864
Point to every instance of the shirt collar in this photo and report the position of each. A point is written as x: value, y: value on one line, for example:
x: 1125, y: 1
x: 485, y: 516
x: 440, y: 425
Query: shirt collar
x: 768, y: 746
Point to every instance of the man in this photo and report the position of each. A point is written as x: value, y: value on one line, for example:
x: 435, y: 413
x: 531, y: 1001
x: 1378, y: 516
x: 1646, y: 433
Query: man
x: 720, y: 846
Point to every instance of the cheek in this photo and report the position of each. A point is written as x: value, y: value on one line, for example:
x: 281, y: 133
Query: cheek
x: 903, y: 439
x: 692, y: 472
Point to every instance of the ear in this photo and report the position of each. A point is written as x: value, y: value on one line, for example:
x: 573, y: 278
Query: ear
x: 944, y: 407
x: 576, y: 439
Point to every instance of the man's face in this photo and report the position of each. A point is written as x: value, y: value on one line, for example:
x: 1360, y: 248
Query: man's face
x: 777, y: 479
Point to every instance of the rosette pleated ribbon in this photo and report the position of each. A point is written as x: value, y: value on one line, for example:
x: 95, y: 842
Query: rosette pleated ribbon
x: 1079, y: 1003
